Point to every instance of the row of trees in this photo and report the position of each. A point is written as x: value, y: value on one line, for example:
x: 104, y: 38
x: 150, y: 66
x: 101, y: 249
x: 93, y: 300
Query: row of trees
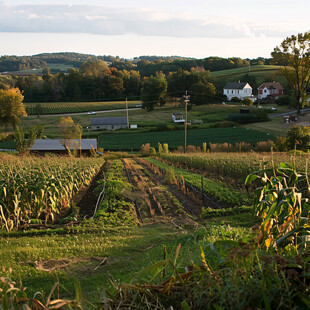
x: 95, y: 81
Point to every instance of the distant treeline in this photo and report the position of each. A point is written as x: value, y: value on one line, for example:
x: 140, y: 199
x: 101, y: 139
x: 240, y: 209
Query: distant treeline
x: 95, y: 81
x: 150, y: 81
x: 146, y: 65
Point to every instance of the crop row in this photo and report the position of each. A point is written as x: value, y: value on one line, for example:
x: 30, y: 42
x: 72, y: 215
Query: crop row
x: 217, y: 190
x: 231, y: 166
x: 116, y: 208
x: 40, y: 188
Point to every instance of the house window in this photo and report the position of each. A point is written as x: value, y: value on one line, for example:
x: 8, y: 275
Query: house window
x: 265, y: 90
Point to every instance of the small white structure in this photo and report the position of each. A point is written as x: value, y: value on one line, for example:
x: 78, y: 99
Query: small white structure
x: 178, y: 118
x: 270, y: 89
x: 238, y: 89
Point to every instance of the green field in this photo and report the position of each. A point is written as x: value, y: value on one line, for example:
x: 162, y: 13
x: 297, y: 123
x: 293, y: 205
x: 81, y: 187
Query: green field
x: 252, y: 69
x: 132, y: 141
x: 254, y: 75
x: 76, y: 107
x: 54, y: 67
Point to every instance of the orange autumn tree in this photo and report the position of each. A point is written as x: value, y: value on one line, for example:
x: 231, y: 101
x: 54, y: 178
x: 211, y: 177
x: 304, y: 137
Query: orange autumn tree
x: 11, y: 107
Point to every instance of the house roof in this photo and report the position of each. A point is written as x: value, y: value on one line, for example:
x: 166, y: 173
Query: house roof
x: 57, y: 145
x: 235, y: 85
x: 109, y: 121
x: 271, y: 85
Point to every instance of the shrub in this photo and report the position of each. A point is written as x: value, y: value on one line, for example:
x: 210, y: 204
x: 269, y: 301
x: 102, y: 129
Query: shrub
x: 235, y: 99
x: 165, y: 148
x: 280, y: 144
x: 255, y: 115
x: 263, y: 146
x: 145, y: 149
x: 152, y: 151
x: 285, y: 100
x: 248, y: 101
x: 298, y: 137
x: 204, y: 147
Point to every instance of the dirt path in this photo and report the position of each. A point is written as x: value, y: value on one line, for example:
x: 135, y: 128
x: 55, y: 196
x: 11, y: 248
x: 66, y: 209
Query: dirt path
x: 87, y: 197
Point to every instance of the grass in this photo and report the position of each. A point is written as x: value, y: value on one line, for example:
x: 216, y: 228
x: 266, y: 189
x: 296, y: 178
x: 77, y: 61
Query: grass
x: 127, y: 250
x: 54, y: 67
x: 251, y: 70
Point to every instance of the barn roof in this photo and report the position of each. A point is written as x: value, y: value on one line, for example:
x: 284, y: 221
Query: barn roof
x: 271, y: 85
x: 235, y: 85
x: 57, y: 145
x: 108, y: 121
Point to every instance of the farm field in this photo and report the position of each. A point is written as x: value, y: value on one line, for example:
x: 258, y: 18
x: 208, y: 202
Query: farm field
x: 159, y: 118
x: 138, y: 220
x: 76, y: 107
x: 128, y: 141
x: 251, y: 70
x: 134, y: 194
x: 255, y: 76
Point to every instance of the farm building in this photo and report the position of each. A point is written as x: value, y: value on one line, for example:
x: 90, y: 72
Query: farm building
x: 178, y: 118
x: 270, y: 89
x: 58, y: 146
x: 238, y: 89
x: 109, y: 123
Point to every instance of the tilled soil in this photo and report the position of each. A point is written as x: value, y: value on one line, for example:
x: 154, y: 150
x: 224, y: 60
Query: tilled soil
x: 155, y: 197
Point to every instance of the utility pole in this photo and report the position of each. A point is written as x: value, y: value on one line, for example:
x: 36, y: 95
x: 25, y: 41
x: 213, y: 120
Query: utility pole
x: 127, y: 113
x: 186, y: 100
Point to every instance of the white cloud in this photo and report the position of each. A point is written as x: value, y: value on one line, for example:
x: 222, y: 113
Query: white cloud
x: 140, y: 21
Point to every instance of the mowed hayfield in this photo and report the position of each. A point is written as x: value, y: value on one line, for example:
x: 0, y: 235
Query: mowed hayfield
x: 254, y: 75
x: 250, y: 70
x: 76, y: 107
x: 130, y: 141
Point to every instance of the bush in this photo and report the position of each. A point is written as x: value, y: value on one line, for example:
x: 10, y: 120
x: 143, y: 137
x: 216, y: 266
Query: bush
x: 145, y: 149
x: 152, y: 151
x: 280, y: 144
x: 248, y: 101
x: 165, y: 148
x: 204, y: 147
x: 255, y: 115
x: 235, y: 99
x: 285, y: 100
x: 298, y: 137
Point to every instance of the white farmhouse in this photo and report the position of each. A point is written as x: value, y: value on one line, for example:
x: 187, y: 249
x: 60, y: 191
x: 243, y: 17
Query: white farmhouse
x: 237, y: 89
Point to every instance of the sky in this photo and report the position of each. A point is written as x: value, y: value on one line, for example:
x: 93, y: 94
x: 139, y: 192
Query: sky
x: 131, y: 28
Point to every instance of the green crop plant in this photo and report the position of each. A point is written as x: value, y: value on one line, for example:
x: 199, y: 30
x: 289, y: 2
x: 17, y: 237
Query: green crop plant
x: 280, y: 200
x: 40, y: 188
x: 216, y: 189
x: 116, y: 208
